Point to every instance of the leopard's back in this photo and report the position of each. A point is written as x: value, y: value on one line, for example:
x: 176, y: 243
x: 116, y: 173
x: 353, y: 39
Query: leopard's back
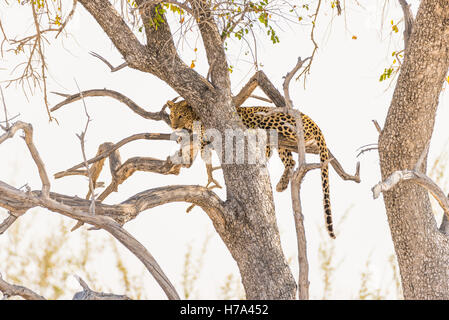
x: 285, y: 124
x: 182, y: 116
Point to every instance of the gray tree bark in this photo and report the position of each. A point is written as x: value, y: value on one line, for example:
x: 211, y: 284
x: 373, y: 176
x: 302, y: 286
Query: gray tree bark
x: 249, y: 230
x: 422, y: 250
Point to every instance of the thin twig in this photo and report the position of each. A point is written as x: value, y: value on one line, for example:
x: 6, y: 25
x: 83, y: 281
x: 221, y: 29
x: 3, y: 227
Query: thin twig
x: 378, y: 128
x: 303, y: 278
x: 113, y: 69
x: 42, y: 57
x: 147, y: 136
x: 4, y: 108
x: 418, y: 177
x: 82, y: 137
x: 408, y: 21
x: 69, y: 16
x: 28, y: 130
x: 8, y: 222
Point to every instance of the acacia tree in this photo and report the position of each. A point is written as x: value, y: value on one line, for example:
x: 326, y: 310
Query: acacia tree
x: 421, y: 247
x: 246, y: 219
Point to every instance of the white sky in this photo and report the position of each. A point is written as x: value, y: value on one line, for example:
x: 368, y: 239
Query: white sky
x: 343, y: 94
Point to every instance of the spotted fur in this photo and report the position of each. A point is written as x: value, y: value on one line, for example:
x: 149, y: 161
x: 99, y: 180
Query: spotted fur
x: 182, y: 117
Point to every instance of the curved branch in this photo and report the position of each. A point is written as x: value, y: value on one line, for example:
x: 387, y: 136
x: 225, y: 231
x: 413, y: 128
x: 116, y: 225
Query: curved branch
x: 111, y: 149
x: 28, y: 130
x: 421, y: 179
x: 75, y: 208
x: 161, y: 115
x: 10, y: 290
x: 292, y: 146
x: 8, y: 222
x: 113, y: 69
x: 132, y: 165
x: 34, y: 199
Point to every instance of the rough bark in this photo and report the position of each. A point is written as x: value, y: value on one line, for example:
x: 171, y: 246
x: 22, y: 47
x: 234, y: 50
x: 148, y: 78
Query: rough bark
x: 422, y: 250
x: 250, y: 232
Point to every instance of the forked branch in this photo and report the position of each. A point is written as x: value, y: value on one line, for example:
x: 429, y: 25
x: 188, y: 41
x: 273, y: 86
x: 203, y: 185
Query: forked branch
x: 418, y: 177
x: 161, y: 115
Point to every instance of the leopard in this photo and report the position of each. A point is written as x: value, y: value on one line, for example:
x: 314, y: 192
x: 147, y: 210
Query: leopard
x: 182, y: 116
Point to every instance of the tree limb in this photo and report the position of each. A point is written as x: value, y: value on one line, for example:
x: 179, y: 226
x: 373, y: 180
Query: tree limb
x: 299, y: 173
x: 416, y: 176
x: 161, y: 115
x: 28, y: 130
x: 408, y: 21
x: 10, y: 290
x: 111, y: 148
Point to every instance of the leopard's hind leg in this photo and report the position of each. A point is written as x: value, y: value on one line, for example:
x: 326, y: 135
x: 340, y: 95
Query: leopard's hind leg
x: 287, y: 159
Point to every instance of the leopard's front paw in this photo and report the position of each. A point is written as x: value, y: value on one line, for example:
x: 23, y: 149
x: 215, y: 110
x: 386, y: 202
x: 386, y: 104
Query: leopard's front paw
x: 285, y: 179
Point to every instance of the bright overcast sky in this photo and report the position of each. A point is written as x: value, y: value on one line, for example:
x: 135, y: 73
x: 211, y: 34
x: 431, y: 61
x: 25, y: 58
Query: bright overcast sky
x: 342, y: 95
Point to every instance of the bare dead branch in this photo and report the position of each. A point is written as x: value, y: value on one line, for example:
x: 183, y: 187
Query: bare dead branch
x: 111, y: 149
x: 307, y: 68
x: 260, y: 98
x: 292, y: 146
x: 408, y: 21
x: 362, y: 151
x: 82, y: 137
x: 10, y: 290
x: 421, y: 158
x: 28, y: 130
x: 113, y: 69
x: 416, y: 176
x: 378, y: 128
x: 303, y: 279
x: 33, y: 199
x: 97, y: 166
x: 289, y: 77
x: 9, y: 221
x: 298, y: 175
x: 161, y: 115
x: 89, y: 294
x: 18, y: 201
x: 139, y: 164
x: 5, y: 38
x: 4, y: 109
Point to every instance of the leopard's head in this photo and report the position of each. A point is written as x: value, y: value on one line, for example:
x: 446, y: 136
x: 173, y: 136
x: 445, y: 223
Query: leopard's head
x: 181, y: 115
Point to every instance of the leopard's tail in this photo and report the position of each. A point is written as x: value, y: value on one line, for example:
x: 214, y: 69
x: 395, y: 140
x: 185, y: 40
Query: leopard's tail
x: 324, y: 157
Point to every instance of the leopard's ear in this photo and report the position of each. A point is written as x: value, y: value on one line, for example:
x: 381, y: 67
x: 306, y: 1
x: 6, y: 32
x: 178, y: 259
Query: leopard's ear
x: 170, y: 104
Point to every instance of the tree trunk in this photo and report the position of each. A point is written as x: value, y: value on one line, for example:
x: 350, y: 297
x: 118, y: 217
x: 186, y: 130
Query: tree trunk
x: 422, y: 250
x: 249, y: 229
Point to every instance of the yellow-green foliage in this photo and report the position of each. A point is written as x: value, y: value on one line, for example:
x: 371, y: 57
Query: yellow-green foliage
x: 192, y: 268
x: 44, y: 263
